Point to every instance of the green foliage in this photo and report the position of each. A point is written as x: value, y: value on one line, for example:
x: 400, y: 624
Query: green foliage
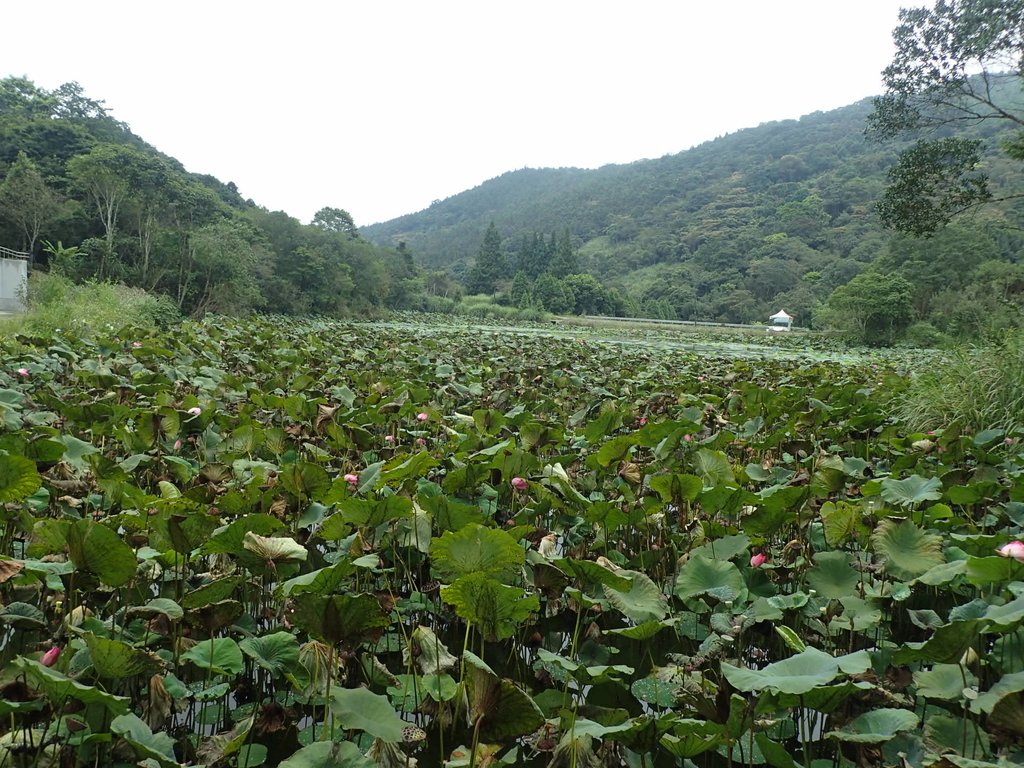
x: 71, y: 173
x: 874, y: 308
x: 970, y: 389
x: 260, y: 545
x: 954, y: 63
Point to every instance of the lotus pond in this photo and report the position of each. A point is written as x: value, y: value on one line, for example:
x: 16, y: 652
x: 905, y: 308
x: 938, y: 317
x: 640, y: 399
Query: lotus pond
x: 308, y: 544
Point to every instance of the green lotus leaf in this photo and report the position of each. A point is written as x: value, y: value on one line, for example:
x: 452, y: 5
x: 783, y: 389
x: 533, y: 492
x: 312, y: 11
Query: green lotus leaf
x: 911, y: 491
x: 724, y: 547
x: 328, y: 754
x: 713, y: 468
x: 655, y: 691
x: 945, y: 682
x: 360, y: 709
x: 23, y: 616
x: 496, y: 609
x: 906, y: 550
x: 401, y: 468
x: 211, y: 593
x: 59, y: 688
x: 832, y: 575
x: 797, y: 674
x: 230, y: 539
x: 876, y: 726
x: 19, y: 478
x: 220, y: 655
x: 644, y: 631
x: 502, y: 708
x: 690, y: 737
x: 115, y: 660
x: 676, y: 487
x: 840, y: 521
x: 158, y: 606
x: 96, y: 549
x: 278, y: 652
x: 147, y: 745
x: 305, y: 480
x: 719, y: 579
x: 476, y: 550
x: 322, y: 581
x: 274, y: 548
x: 589, y: 572
x: 945, y: 734
x: 340, y: 619
x: 644, y: 600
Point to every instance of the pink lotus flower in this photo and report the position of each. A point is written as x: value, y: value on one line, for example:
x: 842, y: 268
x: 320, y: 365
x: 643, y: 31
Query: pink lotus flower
x: 758, y: 560
x: 1014, y: 549
x: 687, y: 438
x: 136, y: 344
x: 422, y: 416
x: 389, y: 438
x: 643, y: 420
x: 49, y: 658
x: 195, y: 410
x: 23, y: 372
x: 520, y: 483
x: 1007, y: 441
x: 352, y: 480
x: 420, y: 441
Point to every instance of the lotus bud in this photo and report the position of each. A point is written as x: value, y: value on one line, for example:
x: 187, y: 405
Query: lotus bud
x: 520, y: 483
x: 422, y: 416
x: 23, y: 372
x: 1014, y: 549
x: 195, y: 410
x: 177, y: 445
x: 49, y: 658
x: 389, y: 439
x: 687, y: 438
x: 970, y: 659
x: 136, y: 344
x: 758, y: 560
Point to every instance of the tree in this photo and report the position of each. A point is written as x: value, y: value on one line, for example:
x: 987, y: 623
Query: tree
x: 490, y: 266
x: 956, y: 64
x: 26, y: 201
x: 335, y: 220
x: 874, y: 307
x: 108, y: 175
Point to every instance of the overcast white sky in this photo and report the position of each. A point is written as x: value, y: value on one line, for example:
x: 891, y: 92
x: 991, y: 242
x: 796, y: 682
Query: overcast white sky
x: 381, y: 107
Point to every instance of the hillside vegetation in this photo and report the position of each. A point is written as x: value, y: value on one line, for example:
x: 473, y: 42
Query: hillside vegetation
x: 780, y: 215
x: 91, y: 199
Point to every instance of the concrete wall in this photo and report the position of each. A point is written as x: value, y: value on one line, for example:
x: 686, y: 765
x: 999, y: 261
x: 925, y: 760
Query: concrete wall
x: 13, y: 283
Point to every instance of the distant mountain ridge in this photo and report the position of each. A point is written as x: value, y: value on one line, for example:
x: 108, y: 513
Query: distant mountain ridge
x: 778, y: 215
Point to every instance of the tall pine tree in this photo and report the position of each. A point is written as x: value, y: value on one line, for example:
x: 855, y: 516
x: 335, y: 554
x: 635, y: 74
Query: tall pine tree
x: 490, y: 266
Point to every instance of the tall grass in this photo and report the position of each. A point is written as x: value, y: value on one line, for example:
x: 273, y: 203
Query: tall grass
x: 972, y: 388
x: 55, y: 302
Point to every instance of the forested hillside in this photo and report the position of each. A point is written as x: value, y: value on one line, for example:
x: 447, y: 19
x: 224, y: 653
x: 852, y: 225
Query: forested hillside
x: 86, y: 196
x: 775, y: 216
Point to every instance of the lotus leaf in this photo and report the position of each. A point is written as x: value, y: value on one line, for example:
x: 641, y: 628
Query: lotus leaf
x: 497, y: 609
x: 503, y: 709
x: 477, y: 550
x: 906, y: 549
x: 721, y: 580
x: 876, y: 726
x: 360, y: 709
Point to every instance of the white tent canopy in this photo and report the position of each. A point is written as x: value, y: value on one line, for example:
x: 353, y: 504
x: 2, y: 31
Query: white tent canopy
x: 781, y: 319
